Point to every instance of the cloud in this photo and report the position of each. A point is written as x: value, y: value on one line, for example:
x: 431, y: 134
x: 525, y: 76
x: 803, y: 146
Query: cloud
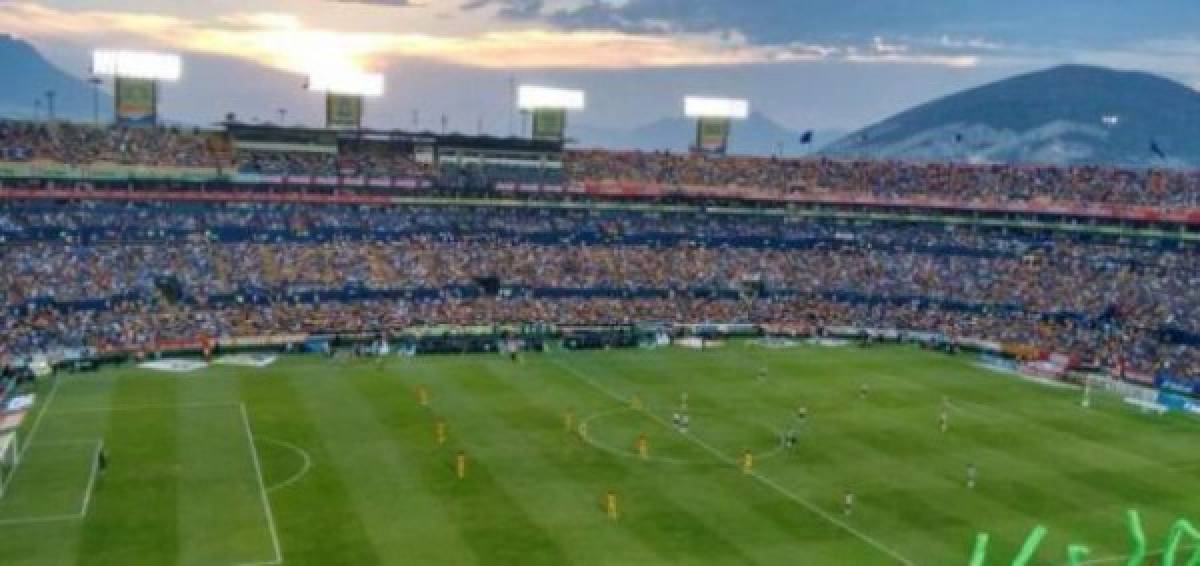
x: 398, y: 3
x: 512, y: 9
x: 288, y: 42
x: 1078, y: 23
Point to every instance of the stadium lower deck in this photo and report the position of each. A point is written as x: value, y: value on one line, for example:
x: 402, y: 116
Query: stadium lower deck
x: 316, y: 460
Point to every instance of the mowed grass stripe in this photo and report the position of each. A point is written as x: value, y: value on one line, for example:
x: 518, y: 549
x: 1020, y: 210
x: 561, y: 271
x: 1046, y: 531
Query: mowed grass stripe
x: 1013, y: 453
x: 406, y: 523
x: 771, y: 529
x: 493, y: 523
x: 801, y: 534
x: 559, y: 484
x: 134, y: 517
x: 1017, y: 490
x: 571, y: 482
x: 620, y: 376
x: 221, y: 517
x: 304, y: 510
x: 906, y: 458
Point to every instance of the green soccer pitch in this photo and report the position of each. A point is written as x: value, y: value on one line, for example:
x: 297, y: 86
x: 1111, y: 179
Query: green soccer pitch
x: 319, y: 461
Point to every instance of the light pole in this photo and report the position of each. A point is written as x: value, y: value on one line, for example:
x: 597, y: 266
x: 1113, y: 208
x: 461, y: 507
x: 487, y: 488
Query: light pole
x: 50, y: 94
x: 96, y: 82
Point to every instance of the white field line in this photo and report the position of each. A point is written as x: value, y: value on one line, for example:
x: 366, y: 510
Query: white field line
x: 37, y: 423
x: 33, y: 430
x: 152, y: 407
x: 80, y: 442
x: 303, y: 469
x: 36, y: 520
x: 758, y: 476
x: 262, y: 490
x: 87, y: 494
x: 84, y: 504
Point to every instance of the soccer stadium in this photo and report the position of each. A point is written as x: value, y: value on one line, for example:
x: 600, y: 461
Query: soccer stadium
x: 248, y: 342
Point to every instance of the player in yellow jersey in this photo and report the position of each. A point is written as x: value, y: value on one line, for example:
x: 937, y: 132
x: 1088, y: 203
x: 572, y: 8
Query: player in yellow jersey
x: 747, y: 462
x: 422, y: 395
x: 569, y: 421
x: 643, y: 447
x: 610, y: 505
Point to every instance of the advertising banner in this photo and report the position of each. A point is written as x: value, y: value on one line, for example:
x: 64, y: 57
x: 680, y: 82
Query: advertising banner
x: 1171, y: 384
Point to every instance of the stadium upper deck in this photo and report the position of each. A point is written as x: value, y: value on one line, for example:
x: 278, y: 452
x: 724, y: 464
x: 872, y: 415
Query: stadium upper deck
x: 387, y: 161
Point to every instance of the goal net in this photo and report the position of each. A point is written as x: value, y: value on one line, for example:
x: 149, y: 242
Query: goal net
x: 10, y: 457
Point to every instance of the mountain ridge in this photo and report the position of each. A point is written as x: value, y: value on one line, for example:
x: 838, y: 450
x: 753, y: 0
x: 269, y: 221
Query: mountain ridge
x: 1064, y: 115
x: 73, y: 95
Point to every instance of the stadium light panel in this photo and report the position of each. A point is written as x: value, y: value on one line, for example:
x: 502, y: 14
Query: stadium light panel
x: 541, y: 98
x: 137, y: 65
x: 347, y: 82
x: 701, y: 107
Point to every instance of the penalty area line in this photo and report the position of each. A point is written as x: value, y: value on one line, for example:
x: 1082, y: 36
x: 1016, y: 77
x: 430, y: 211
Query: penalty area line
x: 262, y: 490
x: 37, y: 423
x: 721, y: 456
x: 87, y: 493
x: 85, y: 504
x: 304, y: 468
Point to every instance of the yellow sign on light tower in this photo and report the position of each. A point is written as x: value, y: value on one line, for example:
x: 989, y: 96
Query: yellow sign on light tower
x: 549, y: 107
x: 346, y: 91
x: 136, y: 77
x: 714, y: 121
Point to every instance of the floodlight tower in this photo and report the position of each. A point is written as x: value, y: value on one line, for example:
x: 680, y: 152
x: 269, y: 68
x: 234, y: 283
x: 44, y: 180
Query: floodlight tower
x: 714, y: 117
x: 136, y: 76
x: 549, y: 108
x: 345, y: 94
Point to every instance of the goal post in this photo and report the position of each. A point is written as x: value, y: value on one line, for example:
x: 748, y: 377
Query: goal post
x: 10, y: 458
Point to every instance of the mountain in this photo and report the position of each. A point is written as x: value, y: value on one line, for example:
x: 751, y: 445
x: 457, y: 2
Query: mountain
x: 30, y: 76
x: 757, y: 135
x: 1071, y: 114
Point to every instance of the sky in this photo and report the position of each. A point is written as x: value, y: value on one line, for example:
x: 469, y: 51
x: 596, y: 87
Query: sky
x: 808, y: 64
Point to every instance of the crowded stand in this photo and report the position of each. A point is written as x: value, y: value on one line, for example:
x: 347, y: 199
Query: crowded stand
x: 890, y: 179
x: 97, y: 275
x: 134, y: 274
x: 74, y: 144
